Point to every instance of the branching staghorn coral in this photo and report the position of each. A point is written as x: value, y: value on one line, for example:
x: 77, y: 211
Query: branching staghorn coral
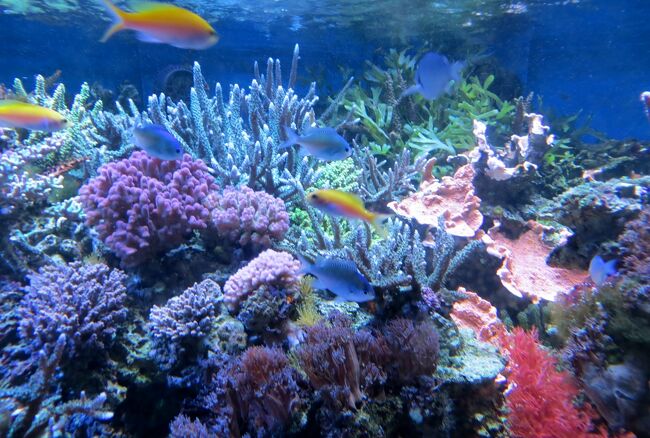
x: 238, y: 135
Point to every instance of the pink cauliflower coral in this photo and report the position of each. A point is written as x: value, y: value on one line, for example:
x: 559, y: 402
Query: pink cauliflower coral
x: 269, y: 269
x: 247, y: 217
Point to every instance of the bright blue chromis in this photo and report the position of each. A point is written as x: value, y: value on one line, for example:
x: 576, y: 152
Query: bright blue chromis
x: 434, y: 76
x: 600, y: 270
x: 322, y: 143
x: 341, y: 277
x: 156, y: 141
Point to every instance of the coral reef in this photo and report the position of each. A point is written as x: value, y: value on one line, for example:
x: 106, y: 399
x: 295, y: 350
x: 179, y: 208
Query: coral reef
x: 271, y: 269
x: 183, y: 322
x: 538, y: 390
x: 480, y: 316
x: 22, y: 192
x: 247, y: 217
x: 452, y: 198
x: 83, y: 303
x: 525, y: 271
x: 142, y: 206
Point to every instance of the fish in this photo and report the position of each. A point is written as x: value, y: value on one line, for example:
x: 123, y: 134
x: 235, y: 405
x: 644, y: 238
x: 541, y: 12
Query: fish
x: 434, y: 75
x: 322, y: 143
x: 339, y: 276
x: 156, y: 141
x: 349, y: 205
x: 17, y: 114
x: 645, y: 99
x: 163, y: 23
x: 600, y: 270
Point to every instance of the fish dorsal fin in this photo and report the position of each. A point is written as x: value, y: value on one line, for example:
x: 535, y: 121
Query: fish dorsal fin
x: 145, y: 6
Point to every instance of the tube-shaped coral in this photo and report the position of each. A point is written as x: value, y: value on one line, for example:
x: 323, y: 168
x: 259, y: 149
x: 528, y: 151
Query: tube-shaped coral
x: 141, y: 206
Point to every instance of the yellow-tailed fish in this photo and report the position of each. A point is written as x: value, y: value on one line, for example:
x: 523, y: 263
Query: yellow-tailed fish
x: 163, y: 23
x: 16, y: 114
x: 339, y: 203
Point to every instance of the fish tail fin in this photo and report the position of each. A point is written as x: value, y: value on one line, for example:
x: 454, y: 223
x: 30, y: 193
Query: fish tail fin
x: 610, y: 267
x: 410, y: 90
x: 119, y: 17
x: 305, y: 266
x: 378, y: 223
x: 291, y: 135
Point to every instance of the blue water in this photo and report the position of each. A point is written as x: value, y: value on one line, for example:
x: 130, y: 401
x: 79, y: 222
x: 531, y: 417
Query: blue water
x: 589, y: 55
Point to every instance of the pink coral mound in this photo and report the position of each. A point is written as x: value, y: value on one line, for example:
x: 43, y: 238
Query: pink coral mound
x: 478, y: 315
x: 247, y: 217
x: 524, y: 271
x: 270, y: 269
x: 141, y: 205
x: 451, y: 197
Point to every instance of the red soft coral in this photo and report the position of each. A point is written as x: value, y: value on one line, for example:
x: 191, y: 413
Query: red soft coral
x: 540, y: 398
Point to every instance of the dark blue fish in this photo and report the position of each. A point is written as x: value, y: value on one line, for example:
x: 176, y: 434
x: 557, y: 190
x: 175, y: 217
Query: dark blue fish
x: 156, y: 141
x: 600, y: 270
x: 433, y: 76
x: 341, y: 277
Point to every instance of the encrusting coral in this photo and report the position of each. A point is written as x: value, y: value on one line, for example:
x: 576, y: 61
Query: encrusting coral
x: 452, y: 198
x: 271, y: 269
x: 525, y: 270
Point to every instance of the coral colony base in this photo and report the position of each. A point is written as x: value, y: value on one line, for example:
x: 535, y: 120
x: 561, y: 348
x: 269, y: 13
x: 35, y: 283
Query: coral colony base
x: 150, y: 295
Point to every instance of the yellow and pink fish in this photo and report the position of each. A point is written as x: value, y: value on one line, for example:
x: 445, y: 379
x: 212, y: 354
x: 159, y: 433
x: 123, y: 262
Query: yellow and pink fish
x: 16, y: 114
x: 163, y: 23
x: 349, y: 205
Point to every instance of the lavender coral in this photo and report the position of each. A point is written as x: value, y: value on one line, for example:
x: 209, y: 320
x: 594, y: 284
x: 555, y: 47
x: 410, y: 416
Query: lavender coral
x: 271, y: 269
x: 249, y: 218
x: 183, y: 320
x: 142, y: 206
x: 86, y: 303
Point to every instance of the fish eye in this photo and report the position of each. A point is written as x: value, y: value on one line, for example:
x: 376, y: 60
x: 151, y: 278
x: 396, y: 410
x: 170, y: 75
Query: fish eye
x: 313, y: 196
x: 178, y: 151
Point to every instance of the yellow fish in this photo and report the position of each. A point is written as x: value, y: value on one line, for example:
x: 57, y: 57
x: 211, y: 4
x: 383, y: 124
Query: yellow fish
x: 349, y: 205
x: 163, y: 23
x: 16, y: 114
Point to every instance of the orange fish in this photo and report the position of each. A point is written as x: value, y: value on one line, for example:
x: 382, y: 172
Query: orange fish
x: 163, y: 23
x: 16, y: 114
x: 339, y: 203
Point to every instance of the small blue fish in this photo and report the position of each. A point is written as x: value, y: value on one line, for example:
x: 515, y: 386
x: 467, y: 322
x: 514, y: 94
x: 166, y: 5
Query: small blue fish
x: 322, y: 143
x: 433, y: 76
x: 158, y: 142
x: 599, y: 270
x: 341, y: 277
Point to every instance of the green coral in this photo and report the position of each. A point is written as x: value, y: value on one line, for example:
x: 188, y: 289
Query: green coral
x: 441, y: 127
x: 340, y: 175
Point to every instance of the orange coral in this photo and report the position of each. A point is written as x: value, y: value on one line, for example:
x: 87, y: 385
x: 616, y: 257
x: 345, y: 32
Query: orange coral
x: 451, y: 197
x: 524, y: 271
x: 479, y: 315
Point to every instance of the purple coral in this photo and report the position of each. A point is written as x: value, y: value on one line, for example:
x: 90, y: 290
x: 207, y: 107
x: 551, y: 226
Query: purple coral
x: 329, y: 358
x: 142, y: 205
x: 270, y: 269
x: 265, y: 389
x: 86, y: 303
x: 184, y: 319
x: 248, y: 217
x: 415, y: 347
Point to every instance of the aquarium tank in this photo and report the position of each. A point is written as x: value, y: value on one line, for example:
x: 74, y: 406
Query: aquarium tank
x: 335, y: 218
